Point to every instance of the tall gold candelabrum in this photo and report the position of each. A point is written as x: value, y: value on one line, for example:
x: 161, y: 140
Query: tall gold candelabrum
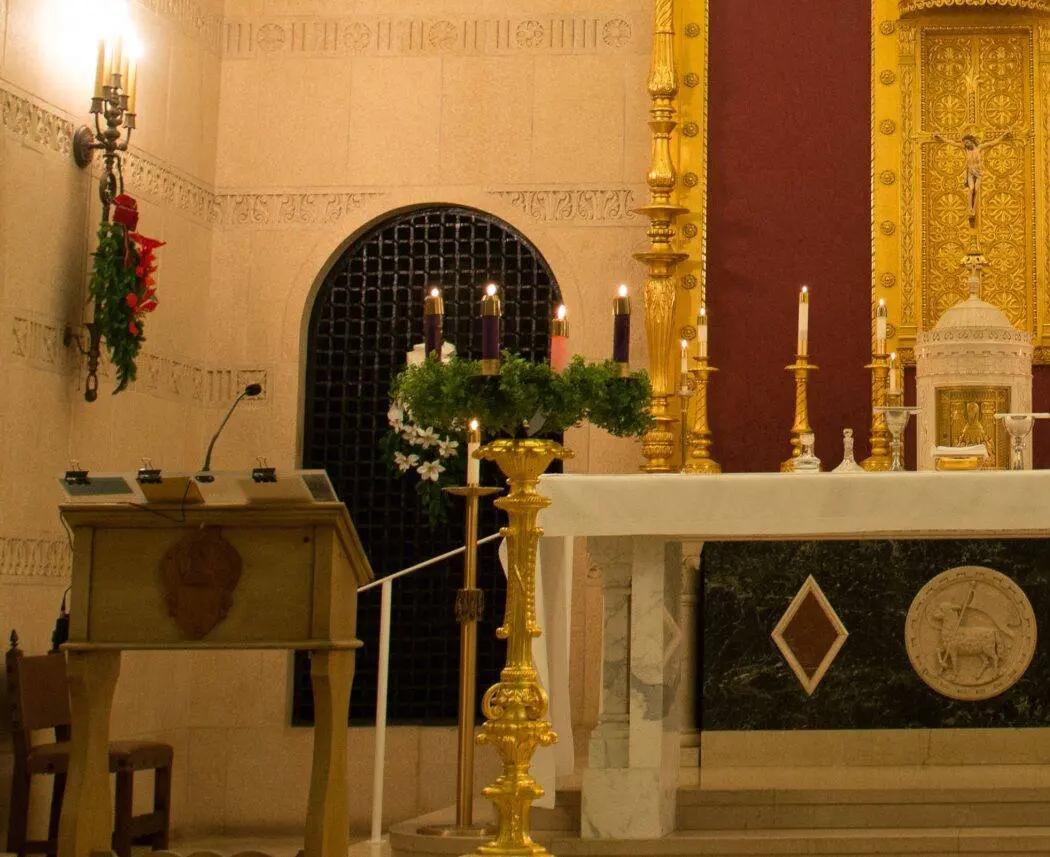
x: 698, y: 458
x: 879, y: 461
x: 661, y: 258
x: 515, y: 707
x: 800, y: 369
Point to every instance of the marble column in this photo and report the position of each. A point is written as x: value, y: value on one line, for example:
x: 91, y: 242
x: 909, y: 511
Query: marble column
x: 688, y: 601
x: 630, y: 784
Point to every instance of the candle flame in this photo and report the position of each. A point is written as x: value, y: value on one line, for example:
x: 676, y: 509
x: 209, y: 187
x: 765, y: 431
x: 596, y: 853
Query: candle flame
x: 435, y: 292
x: 491, y: 289
x: 562, y: 310
x: 805, y: 291
x: 474, y: 424
x: 623, y: 290
x: 685, y: 344
x: 882, y: 303
x: 703, y: 315
x: 893, y: 356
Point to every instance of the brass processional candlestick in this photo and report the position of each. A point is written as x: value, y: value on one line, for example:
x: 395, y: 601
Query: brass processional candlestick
x: 880, y: 459
x: 470, y: 604
x: 801, y: 369
x: 699, y: 451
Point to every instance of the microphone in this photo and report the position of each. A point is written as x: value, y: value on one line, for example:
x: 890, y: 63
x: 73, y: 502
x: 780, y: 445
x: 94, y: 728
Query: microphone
x: 205, y: 471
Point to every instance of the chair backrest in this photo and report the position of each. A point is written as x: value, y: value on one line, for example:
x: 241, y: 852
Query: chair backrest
x: 37, y: 688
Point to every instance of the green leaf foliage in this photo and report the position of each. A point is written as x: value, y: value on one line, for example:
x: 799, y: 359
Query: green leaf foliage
x: 112, y: 279
x: 446, y: 395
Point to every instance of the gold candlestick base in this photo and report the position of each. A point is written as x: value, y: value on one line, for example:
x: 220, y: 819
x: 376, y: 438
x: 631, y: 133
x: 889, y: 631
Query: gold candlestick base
x: 801, y: 369
x: 880, y: 459
x: 516, y: 707
x: 698, y: 459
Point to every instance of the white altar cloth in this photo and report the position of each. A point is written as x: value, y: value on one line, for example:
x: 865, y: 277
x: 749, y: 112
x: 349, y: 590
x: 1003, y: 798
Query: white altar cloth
x: 637, y: 522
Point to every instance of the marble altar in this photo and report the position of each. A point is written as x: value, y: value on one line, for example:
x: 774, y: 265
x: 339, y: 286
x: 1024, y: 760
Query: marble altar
x: 636, y: 526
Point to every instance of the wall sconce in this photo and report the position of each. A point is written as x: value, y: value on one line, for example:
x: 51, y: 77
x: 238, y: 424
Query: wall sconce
x: 113, y: 110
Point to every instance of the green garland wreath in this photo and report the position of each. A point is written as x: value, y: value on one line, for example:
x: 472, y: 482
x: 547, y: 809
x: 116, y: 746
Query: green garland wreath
x: 122, y: 290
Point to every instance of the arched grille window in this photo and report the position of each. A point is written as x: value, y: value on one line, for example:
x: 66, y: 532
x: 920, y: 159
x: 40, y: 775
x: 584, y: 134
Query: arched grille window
x: 367, y: 315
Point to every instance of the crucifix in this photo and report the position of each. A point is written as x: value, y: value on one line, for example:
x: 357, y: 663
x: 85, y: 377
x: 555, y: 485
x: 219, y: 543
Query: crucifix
x: 974, y: 151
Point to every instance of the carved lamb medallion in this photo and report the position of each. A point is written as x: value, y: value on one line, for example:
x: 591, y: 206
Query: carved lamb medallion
x: 970, y: 633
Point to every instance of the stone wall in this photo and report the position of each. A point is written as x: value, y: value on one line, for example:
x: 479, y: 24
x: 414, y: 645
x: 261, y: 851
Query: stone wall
x: 271, y: 132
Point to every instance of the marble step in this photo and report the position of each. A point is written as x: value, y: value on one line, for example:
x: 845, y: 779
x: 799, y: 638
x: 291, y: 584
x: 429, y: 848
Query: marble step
x: 934, y: 842
x: 848, y: 809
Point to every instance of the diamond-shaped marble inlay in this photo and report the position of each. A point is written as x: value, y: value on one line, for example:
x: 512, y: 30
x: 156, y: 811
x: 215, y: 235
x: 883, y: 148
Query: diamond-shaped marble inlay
x: 809, y: 635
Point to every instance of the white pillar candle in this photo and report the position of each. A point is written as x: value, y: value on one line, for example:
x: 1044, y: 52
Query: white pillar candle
x: 701, y: 331
x: 893, y: 373
x: 803, y: 321
x: 685, y: 358
x: 473, y: 444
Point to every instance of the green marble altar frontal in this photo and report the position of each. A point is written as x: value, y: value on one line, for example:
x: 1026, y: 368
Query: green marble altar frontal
x: 747, y: 586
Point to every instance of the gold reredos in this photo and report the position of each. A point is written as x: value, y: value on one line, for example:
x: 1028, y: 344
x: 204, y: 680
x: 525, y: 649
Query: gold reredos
x: 911, y: 7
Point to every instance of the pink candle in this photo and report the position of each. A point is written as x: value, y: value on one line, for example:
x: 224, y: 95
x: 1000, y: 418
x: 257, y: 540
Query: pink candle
x: 559, y: 340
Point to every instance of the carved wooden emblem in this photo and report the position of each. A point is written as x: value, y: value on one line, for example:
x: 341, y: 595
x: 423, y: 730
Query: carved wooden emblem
x: 199, y: 575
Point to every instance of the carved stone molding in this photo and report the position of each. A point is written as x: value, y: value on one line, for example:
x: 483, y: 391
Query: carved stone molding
x: 38, y: 341
x: 556, y: 205
x: 277, y: 209
x: 34, y: 556
x: 35, y: 124
x: 339, y: 36
x: 190, y: 17
x: 161, y: 184
x: 909, y: 7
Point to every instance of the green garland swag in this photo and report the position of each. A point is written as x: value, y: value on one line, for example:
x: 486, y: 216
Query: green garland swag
x: 525, y: 398
x: 122, y: 290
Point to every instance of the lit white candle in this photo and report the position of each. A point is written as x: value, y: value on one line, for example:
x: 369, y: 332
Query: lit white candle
x: 893, y: 373
x: 880, y: 327
x: 803, y: 321
x: 685, y: 358
x: 701, y: 331
x: 473, y: 444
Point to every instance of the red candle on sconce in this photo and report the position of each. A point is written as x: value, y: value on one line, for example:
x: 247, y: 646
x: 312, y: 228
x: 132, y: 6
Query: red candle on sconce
x: 559, y: 340
x: 433, y: 321
x: 622, y: 327
x: 490, y: 322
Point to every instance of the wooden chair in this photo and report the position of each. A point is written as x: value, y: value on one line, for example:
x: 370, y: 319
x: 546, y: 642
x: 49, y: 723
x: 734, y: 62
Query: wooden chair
x: 39, y: 699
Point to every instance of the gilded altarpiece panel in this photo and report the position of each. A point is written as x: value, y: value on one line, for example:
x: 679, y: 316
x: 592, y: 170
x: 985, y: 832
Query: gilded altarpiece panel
x: 938, y: 77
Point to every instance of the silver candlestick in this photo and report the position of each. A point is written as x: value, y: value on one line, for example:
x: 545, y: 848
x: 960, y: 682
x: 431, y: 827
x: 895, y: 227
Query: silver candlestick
x: 1019, y: 427
x: 897, y: 417
x: 849, y: 463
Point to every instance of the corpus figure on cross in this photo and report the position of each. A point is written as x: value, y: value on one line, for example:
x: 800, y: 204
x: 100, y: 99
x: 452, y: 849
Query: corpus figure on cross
x: 974, y: 152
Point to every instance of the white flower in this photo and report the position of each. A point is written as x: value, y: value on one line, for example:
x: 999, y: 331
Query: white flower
x: 447, y: 447
x: 426, y: 437
x: 430, y: 470
x: 396, y: 416
x: 405, y: 462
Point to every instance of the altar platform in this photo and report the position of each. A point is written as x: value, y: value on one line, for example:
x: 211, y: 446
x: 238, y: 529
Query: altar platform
x: 651, y: 785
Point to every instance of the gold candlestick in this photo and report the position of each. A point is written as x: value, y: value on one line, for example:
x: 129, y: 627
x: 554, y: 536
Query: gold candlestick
x: 699, y: 456
x: 470, y: 604
x: 880, y: 460
x: 516, y: 706
x: 801, y: 369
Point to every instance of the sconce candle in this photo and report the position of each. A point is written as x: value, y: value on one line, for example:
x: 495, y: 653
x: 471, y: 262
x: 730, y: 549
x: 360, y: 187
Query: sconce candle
x: 622, y: 327
x: 803, y: 321
x: 473, y: 443
x: 490, y: 321
x: 433, y: 321
x: 701, y: 331
x: 880, y: 327
x: 100, y: 68
x: 559, y: 340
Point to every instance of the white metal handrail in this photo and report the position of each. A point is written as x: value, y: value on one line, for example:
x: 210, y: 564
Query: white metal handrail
x: 386, y: 586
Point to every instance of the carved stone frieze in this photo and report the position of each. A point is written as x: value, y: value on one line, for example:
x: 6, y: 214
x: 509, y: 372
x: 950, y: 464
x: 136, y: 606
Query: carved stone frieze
x: 555, y: 205
x: 35, y: 124
x: 39, y: 342
x: 276, y: 209
x: 152, y: 180
x: 338, y: 36
x: 908, y: 7
x: 34, y: 556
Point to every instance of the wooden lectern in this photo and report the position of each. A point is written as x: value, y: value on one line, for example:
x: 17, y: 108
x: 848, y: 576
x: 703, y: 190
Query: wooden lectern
x: 210, y: 577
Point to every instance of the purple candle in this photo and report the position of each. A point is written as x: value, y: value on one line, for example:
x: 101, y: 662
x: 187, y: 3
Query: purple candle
x: 490, y: 319
x: 622, y: 326
x: 433, y: 320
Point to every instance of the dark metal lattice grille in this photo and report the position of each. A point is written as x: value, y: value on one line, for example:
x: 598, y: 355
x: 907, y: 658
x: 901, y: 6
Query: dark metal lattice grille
x: 368, y: 314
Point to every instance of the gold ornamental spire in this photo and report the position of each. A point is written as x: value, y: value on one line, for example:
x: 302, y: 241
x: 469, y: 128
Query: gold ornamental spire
x: 661, y: 257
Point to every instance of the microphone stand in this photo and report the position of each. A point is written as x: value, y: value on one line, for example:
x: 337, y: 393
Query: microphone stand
x: 205, y: 472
